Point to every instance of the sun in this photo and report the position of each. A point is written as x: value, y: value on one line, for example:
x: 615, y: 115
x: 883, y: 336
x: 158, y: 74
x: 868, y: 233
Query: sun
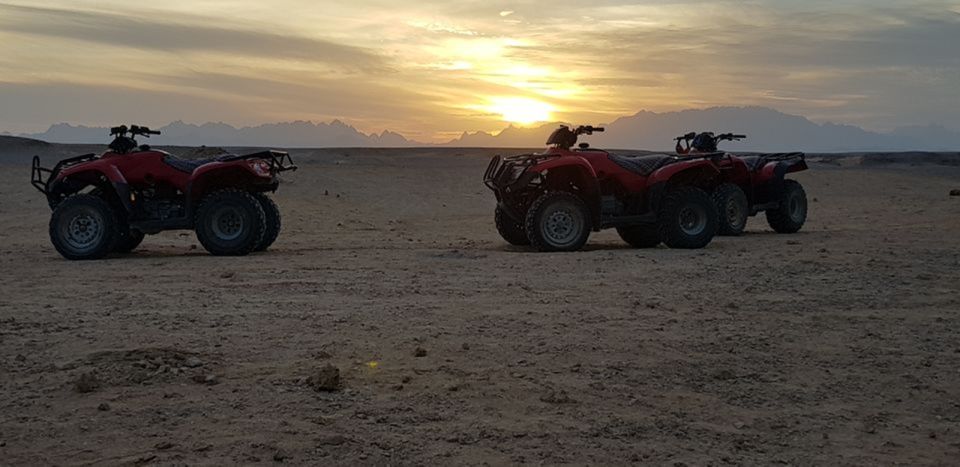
x: 521, y: 110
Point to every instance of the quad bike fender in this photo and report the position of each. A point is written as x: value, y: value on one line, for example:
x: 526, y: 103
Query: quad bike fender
x: 107, y: 177
x: 689, y: 172
x: 572, y: 172
x: 778, y: 170
x: 240, y: 174
x: 578, y: 163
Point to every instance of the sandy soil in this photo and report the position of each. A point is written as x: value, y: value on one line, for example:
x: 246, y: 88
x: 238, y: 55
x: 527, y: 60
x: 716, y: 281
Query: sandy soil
x: 837, y: 345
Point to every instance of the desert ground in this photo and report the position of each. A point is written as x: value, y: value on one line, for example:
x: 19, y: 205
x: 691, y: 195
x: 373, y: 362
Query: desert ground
x: 836, y: 345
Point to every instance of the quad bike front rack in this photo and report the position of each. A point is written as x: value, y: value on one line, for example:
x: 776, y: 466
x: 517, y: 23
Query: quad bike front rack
x: 40, y: 177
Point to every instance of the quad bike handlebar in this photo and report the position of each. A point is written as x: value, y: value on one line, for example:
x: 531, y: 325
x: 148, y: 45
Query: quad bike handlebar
x: 721, y: 137
x: 588, y: 129
x: 705, y: 142
x: 134, y: 130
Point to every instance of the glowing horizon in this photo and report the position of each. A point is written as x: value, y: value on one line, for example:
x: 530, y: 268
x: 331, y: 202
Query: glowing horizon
x: 433, y: 69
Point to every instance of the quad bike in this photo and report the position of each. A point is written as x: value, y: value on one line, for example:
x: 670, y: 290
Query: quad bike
x: 553, y: 200
x: 106, y: 204
x: 749, y: 184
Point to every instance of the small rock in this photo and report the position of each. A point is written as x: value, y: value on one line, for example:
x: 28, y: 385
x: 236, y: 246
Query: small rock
x: 793, y: 242
x: 193, y: 247
x: 192, y: 362
x: 465, y: 346
x: 163, y: 445
x: 87, y: 382
x: 64, y: 366
x: 280, y: 456
x: 326, y: 379
x: 226, y: 275
x: 556, y: 397
x: 209, y: 380
x: 955, y: 192
x: 332, y: 440
x: 407, y: 379
x: 724, y: 375
x: 103, y: 407
x: 420, y: 352
x: 20, y: 357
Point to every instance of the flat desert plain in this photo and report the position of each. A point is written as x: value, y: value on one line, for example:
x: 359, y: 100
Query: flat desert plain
x: 836, y: 345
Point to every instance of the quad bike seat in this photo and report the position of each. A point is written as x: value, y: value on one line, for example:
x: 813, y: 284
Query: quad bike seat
x: 188, y: 165
x: 757, y: 161
x: 645, y: 164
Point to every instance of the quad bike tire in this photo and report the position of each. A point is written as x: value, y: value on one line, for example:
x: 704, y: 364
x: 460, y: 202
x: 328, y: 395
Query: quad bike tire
x: 511, y: 230
x: 687, y: 218
x: 272, y: 218
x: 83, y: 226
x: 791, y: 214
x: 732, y: 207
x: 640, y: 236
x: 230, y: 222
x: 127, y: 240
x: 558, y: 221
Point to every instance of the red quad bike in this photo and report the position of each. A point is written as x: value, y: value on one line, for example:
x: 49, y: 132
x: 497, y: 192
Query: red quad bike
x: 106, y: 204
x: 553, y: 200
x: 748, y: 184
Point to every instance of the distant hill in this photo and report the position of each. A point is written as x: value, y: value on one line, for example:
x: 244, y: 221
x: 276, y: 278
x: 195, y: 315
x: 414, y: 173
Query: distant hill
x: 766, y: 130
x: 289, y: 135
x: 19, y: 142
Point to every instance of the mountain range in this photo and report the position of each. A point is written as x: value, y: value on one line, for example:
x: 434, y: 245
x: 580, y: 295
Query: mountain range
x: 287, y: 134
x: 766, y: 130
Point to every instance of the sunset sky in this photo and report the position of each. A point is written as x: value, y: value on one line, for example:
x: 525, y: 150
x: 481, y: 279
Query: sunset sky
x: 433, y: 69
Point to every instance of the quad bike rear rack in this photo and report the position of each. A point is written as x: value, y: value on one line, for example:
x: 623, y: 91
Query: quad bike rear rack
x: 279, y: 161
x: 40, y: 177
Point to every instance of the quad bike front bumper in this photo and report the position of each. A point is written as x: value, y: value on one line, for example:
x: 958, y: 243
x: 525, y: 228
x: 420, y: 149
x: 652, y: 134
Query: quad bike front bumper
x: 512, y: 183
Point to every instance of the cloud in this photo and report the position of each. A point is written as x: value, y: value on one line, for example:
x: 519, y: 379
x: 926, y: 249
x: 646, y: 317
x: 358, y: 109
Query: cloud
x: 123, y: 30
x: 422, y: 67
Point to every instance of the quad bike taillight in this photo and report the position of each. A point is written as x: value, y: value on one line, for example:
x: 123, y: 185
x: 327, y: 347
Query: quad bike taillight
x: 261, y: 167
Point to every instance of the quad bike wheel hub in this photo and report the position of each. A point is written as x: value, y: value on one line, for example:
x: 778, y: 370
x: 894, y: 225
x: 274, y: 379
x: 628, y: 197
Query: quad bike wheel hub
x: 693, y: 220
x: 228, y: 223
x: 794, y: 207
x: 561, y: 227
x: 83, y: 231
